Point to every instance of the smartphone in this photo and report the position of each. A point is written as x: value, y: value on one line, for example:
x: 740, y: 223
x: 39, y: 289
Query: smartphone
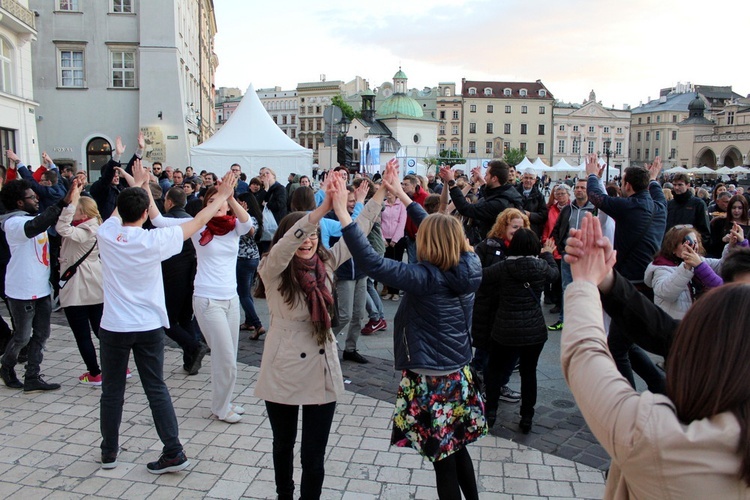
x: 690, y: 240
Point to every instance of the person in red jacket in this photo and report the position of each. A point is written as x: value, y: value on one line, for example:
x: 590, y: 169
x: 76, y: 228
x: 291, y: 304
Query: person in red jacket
x: 413, y: 189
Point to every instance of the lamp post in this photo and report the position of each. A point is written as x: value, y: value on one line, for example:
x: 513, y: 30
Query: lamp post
x: 578, y: 147
x: 342, y: 146
x: 607, y: 153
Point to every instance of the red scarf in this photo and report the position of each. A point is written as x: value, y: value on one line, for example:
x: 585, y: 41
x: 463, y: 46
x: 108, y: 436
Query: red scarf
x: 76, y: 223
x: 311, y: 275
x: 217, y: 226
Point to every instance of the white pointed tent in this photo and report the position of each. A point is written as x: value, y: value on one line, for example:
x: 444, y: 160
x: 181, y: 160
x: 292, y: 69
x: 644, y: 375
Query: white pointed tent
x: 525, y: 163
x: 539, y: 165
x: 251, y: 138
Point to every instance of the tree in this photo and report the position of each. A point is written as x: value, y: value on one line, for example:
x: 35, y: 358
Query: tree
x: 514, y: 156
x: 445, y: 157
x: 338, y: 100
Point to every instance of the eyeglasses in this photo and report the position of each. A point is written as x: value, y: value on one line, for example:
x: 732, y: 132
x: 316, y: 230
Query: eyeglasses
x: 32, y: 197
x: 235, y: 170
x: 312, y: 236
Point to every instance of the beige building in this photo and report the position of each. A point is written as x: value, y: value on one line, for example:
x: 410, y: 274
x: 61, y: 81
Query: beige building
x: 580, y: 129
x: 502, y: 115
x: 449, y: 112
x: 283, y: 106
x: 313, y: 98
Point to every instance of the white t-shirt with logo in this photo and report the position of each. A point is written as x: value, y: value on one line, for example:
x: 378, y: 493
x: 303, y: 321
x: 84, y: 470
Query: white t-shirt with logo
x: 27, y: 275
x: 131, y: 275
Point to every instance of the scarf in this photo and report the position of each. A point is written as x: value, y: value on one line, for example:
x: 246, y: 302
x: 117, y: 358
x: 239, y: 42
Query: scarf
x: 77, y: 223
x: 311, y: 275
x: 218, y: 226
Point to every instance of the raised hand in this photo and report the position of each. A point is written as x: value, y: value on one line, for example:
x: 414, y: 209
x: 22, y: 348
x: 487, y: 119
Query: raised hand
x: 446, y: 173
x: 690, y: 256
x: 592, y: 263
x: 141, y: 176
x: 141, y: 141
x: 361, y: 191
x: 549, y: 245
x: 119, y: 146
x: 13, y: 157
x: 46, y: 159
x: 226, y: 185
x: 654, y: 168
x: 592, y: 165
x: 75, y: 191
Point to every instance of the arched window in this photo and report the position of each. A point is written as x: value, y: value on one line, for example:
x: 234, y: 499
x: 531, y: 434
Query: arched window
x: 6, y: 66
x: 522, y: 92
x: 472, y: 91
x: 487, y: 91
x: 98, y: 153
x: 507, y: 91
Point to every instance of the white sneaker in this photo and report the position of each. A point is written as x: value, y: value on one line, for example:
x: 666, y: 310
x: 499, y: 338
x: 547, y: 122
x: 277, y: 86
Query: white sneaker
x: 237, y: 409
x: 231, y: 418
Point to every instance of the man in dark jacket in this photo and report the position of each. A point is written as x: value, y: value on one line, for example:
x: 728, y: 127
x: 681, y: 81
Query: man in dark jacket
x: 640, y: 220
x: 107, y: 188
x: 178, y: 273
x: 533, y: 201
x: 496, y: 195
x: 686, y: 208
x: 414, y: 190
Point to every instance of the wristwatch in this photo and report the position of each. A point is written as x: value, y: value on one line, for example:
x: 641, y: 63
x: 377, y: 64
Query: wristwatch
x: 451, y: 183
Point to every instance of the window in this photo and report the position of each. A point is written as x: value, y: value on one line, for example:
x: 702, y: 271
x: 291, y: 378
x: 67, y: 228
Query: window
x: 6, y: 67
x: 522, y: 92
x: 638, y: 137
x: 507, y: 92
x: 658, y: 120
x: 473, y: 108
x: 524, y: 109
x: 648, y: 120
x: 542, y: 93
x: 619, y: 130
x: 275, y: 119
x: 658, y: 135
x: 293, y: 120
x: 441, y: 146
x: 591, y: 147
x: 674, y: 118
x: 447, y: 92
x: 562, y: 128
x: 648, y: 135
x: 68, y: 5
x: 71, y: 71
x: 123, y: 69
x: 472, y: 147
x: 524, y: 128
x: 317, y: 110
x: 591, y: 129
x: 442, y: 115
x: 606, y: 130
x: 506, y: 128
x: 672, y: 153
x: 540, y: 148
x: 541, y: 129
x: 318, y: 124
x: 647, y: 154
x: 488, y: 147
x: 656, y: 152
x: 522, y: 147
x: 639, y: 121
x: 294, y: 134
x: 576, y: 146
x: 575, y: 128
x: 455, y: 115
x: 302, y: 110
x: 561, y: 146
x: 730, y: 117
x: 487, y: 91
x: 618, y: 148
x: 302, y: 125
x: 122, y: 6
x: 490, y: 128
x: 454, y: 130
x: 506, y: 147
x: 472, y: 128
x: 441, y: 130
x: 638, y: 154
x: 674, y: 135
x: 542, y: 110
x: 472, y: 91
x: 508, y: 109
x: 490, y: 108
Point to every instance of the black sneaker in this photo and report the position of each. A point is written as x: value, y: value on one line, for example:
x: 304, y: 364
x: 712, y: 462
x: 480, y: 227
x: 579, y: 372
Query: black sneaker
x: 8, y: 374
x: 37, y: 384
x: 556, y: 327
x: 195, y: 361
x: 168, y: 464
x: 355, y: 356
x: 109, y: 460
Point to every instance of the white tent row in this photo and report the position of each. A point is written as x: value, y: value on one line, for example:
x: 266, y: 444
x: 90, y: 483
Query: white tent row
x: 708, y: 170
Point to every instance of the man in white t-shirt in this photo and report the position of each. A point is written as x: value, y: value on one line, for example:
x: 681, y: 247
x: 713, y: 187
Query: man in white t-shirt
x: 135, y: 315
x: 27, y: 281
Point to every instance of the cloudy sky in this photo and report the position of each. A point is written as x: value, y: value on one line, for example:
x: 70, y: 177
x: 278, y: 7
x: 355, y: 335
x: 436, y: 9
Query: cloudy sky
x: 625, y: 51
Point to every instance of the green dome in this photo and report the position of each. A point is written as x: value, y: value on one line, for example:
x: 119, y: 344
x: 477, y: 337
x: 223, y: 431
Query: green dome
x: 367, y: 92
x: 401, y: 104
x: 400, y: 74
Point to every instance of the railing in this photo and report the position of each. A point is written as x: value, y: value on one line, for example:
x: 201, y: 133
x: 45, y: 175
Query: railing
x: 16, y: 9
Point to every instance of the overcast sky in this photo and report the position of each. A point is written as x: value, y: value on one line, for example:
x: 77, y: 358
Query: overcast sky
x: 625, y: 51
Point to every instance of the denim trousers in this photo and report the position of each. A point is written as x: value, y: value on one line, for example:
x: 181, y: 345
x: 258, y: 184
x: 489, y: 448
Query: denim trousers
x: 245, y: 275
x: 316, y: 427
x: 83, y: 320
x: 31, y: 319
x: 374, y: 303
x: 148, y: 353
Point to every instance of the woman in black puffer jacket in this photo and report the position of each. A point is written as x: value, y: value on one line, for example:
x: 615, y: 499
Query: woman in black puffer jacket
x: 519, y: 330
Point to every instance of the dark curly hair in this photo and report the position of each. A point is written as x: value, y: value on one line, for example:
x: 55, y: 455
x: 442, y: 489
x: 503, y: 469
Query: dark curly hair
x: 13, y: 192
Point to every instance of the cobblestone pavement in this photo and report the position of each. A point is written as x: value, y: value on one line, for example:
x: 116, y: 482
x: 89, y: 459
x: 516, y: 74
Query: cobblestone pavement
x: 49, y: 443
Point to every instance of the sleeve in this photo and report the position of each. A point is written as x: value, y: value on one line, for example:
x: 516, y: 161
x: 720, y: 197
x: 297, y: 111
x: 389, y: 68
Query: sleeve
x: 416, y: 212
x: 282, y: 251
x: 400, y: 223
x: 642, y: 321
x: 43, y: 221
x: 613, y: 410
x: 555, y: 234
x: 706, y: 273
x: 552, y: 271
x: 539, y: 216
x: 670, y: 283
x: 614, y: 207
x: 242, y: 228
x: 168, y: 241
x: 365, y: 222
x: 161, y: 221
x: 657, y: 194
x: 480, y: 210
x: 701, y: 222
x: 66, y: 230
x: 320, y: 195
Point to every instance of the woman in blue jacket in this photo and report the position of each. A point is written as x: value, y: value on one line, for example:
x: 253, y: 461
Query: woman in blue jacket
x: 439, y: 409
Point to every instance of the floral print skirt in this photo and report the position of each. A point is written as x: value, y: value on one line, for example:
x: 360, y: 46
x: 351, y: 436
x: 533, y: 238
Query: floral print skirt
x: 438, y: 415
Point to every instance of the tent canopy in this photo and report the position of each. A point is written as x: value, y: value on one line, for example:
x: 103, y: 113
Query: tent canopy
x: 251, y: 138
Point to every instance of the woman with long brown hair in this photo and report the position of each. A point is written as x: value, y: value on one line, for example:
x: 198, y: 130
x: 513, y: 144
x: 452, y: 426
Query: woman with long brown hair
x: 737, y: 212
x: 695, y: 441
x: 300, y: 364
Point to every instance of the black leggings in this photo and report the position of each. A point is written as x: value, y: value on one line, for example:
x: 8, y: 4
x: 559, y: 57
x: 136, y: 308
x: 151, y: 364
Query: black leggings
x: 316, y: 426
x: 455, y: 474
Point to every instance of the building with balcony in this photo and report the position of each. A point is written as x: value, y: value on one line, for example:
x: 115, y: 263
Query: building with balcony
x: 18, y: 107
x: 580, y: 129
x: 498, y: 116
x: 110, y: 68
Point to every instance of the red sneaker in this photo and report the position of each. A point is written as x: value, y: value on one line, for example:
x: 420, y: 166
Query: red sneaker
x: 371, y: 327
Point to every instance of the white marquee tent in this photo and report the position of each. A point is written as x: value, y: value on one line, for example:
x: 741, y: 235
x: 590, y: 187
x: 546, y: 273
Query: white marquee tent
x: 251, y: 138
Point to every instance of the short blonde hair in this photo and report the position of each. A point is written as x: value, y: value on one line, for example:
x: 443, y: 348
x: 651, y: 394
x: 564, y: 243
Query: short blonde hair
x: 89, y: 208
x: 503, y: 221
x: 441, y: 240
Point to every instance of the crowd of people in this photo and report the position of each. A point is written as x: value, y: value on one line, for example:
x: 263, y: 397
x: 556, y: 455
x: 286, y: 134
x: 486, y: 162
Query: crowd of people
x: 472, y: 260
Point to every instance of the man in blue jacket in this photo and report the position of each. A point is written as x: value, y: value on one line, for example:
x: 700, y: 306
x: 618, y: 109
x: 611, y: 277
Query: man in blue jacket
x: 640, y: 219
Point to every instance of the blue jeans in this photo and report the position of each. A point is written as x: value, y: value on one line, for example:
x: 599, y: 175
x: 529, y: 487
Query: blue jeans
x: 567, y: 278
x: 374, y: 304
x: 148, y: 353
x: 245, y: 275
x: 411, y: 250
x: 31, y: 319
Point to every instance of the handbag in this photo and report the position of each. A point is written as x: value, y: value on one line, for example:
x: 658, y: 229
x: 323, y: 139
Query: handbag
x: 269, y: 224
x: 71, y: 271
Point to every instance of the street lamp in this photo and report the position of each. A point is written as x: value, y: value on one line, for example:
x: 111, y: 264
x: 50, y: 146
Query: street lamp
x: 607, y: 153
x: 342, y: 145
